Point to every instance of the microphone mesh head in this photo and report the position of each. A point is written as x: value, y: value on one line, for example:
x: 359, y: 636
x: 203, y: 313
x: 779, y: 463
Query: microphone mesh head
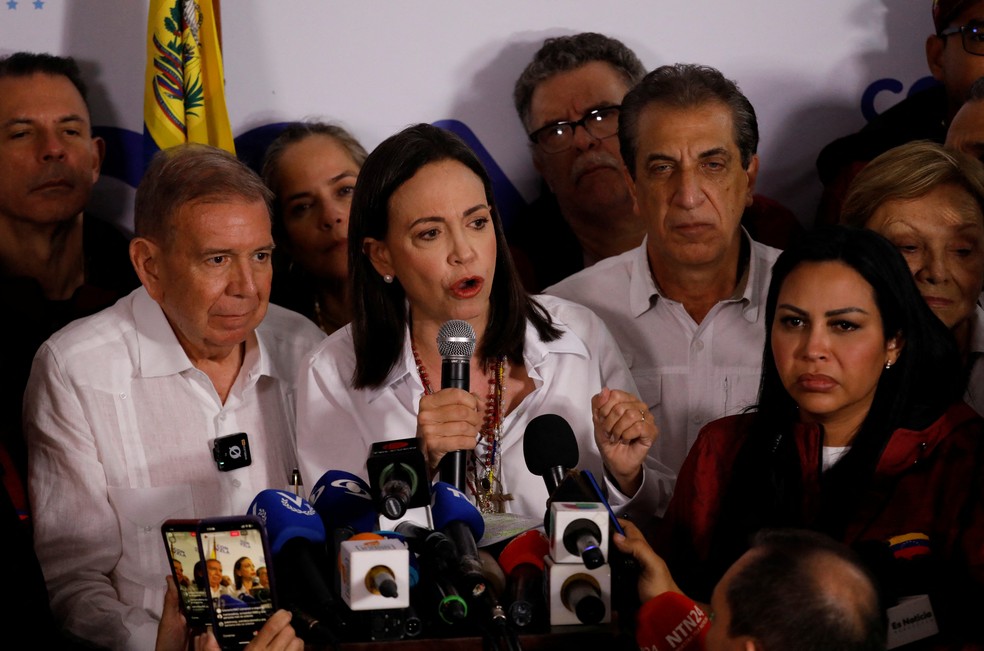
x: 456, y: 338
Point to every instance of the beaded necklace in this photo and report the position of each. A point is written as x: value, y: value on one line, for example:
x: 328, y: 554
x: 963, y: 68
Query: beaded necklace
x: 485, y: 477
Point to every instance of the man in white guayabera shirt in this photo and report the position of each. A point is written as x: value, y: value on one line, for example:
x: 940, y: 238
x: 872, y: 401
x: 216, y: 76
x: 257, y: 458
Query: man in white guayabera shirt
x: 123, y: 408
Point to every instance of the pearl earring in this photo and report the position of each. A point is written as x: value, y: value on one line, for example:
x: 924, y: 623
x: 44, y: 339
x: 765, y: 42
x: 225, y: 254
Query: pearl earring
x: 387, y: 278
x: 888, y: 365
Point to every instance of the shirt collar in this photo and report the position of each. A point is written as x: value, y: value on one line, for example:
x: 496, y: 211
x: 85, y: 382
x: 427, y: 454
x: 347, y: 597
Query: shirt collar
x: 403, y: 371
x: 643, y: 290
x: 535, y: 352
x: 161, y: 353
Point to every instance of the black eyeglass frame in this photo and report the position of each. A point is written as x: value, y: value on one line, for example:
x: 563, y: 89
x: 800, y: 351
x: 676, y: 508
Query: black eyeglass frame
x: 574, y: 124
x: 963, y: 30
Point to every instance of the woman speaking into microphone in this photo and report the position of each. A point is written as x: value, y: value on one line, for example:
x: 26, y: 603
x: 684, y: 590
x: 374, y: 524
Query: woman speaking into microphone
x: 426, y: 246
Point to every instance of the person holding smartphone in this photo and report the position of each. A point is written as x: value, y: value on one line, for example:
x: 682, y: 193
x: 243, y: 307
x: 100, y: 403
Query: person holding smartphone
x: 173, y: 403
x: 173, y: 633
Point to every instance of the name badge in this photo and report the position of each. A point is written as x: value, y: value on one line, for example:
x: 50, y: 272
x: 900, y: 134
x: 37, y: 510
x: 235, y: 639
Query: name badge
x: 912, y: 619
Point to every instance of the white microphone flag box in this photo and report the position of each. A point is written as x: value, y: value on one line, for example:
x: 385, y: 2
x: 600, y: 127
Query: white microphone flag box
x: 569, y: 517
x: 362, y: 560
x: 577, y: 595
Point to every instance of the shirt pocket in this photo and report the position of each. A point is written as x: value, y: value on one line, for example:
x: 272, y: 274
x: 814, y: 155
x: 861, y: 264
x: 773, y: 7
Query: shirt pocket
x: 740, y: 390
x: 141, y: 512
x: 650, y: 385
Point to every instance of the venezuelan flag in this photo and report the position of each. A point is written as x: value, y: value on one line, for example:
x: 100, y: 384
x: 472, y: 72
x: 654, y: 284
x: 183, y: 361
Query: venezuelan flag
x: 910, y: 545
x: 184, y: 95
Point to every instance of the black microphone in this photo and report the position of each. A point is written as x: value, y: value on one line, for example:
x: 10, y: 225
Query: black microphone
x: 583, y: 538
x: 458, y: 518
x: 456, y: 344
x: 550, y: 449
x: 522, y: 561
x: 435, y: 545
x: 398, y: 477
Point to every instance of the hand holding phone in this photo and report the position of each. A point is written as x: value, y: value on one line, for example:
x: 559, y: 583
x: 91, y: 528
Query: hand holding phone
x: 237, y: 547
x: 187, y: 570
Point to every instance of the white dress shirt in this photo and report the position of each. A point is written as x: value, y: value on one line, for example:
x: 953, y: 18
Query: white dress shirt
x: 336, y: 424
x: 688, y: 373
x: 119, y: 426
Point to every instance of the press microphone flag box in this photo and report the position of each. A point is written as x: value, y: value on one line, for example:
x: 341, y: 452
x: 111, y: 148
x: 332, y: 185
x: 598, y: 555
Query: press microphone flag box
x: 362, y: 562
x: 570, y: 521
x: 577, y: 595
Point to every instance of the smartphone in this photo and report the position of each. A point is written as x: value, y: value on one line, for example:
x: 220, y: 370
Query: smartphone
x: 236, y: 554
x: 188, y: 570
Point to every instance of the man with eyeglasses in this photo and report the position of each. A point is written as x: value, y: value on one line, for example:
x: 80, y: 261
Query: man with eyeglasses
x: 955, y: 54
x: 966, y: 132
x: 568, y: 101
x: 686, y: 306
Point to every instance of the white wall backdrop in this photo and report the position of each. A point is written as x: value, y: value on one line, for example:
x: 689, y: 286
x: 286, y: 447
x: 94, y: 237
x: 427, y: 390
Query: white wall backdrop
x: 378, y: 65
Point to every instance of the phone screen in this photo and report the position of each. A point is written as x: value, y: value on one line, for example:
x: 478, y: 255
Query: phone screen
x: 239, y: 577
x: 188, y: 570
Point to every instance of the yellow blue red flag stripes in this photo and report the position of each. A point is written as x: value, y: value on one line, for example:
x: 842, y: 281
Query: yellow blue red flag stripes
x: 184, y: 94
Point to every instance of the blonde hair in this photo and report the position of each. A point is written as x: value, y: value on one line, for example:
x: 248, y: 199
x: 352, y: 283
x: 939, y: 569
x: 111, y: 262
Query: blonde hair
x: 909, y: 172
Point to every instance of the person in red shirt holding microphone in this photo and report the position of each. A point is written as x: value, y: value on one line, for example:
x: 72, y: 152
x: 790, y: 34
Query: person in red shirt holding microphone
x: 794, y: 589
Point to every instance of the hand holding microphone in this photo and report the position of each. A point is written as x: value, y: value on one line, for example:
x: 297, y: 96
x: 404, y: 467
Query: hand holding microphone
x: 447, y: 421
x: 654, y: 578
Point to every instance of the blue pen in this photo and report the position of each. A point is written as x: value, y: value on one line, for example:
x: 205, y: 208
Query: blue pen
x: 601, y: 498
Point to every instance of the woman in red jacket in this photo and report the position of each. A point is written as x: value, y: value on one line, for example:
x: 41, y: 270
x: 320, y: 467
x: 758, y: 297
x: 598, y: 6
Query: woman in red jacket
x: 859, y: 433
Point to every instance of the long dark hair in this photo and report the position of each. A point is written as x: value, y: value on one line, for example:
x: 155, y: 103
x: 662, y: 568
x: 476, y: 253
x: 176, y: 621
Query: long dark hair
x: 766, y: 485
x: 238, y: 577
x: 379, y: 314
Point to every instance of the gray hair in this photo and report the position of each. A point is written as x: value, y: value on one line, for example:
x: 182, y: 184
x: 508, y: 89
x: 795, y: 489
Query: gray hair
x: 564, y: 53
x: 191, y: 173
x: 686, y: 85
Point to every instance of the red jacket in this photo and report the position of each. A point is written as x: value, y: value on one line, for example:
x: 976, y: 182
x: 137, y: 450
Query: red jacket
x: 926, y: 482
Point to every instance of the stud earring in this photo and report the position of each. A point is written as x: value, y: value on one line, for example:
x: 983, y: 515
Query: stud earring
x: 387, y: 279
x: 888, y: 365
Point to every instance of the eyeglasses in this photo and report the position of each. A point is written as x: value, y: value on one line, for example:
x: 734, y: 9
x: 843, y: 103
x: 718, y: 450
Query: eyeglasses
x: 971, y: 36
x: 599, y: 123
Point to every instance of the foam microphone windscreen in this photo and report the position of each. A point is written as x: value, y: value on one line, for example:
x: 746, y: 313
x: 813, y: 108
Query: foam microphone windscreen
x: 528, y: 547
x: 671, y: 621
x: 342, y: 499
x: 451, y: 505
x: 287, y: 516
x: 548, y: 443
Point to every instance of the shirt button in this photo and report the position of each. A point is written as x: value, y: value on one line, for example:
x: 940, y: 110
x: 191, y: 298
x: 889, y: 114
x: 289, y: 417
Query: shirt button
x: 237, y: 483
x: 222, y: 416
x: 698, y: 345
x: 122, y: 396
